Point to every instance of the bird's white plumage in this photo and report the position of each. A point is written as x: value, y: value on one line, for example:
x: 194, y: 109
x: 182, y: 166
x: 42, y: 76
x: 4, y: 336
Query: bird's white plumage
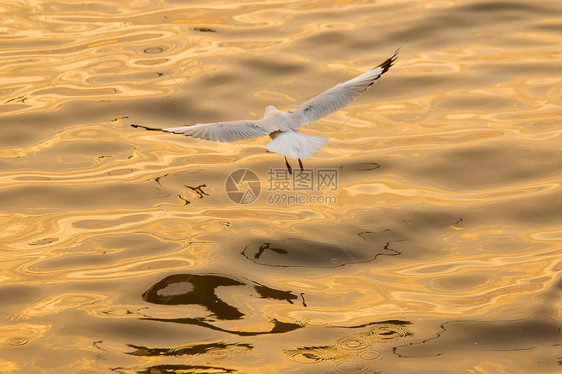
x: 229, y: 131
x: 282, y: 126
x: 295, y: 144
x: 335, y: 98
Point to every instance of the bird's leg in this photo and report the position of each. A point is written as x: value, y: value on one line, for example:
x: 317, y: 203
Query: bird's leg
x: 300, y: 164
x: 289, y: 168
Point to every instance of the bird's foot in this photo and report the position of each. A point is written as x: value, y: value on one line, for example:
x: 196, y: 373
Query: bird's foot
x: 289, y: 168
x: 300, y: 164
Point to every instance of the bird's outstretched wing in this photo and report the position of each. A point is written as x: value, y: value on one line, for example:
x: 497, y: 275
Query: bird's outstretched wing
x: 229, y: 131
x: 327, y: 102
x: 339, y: 96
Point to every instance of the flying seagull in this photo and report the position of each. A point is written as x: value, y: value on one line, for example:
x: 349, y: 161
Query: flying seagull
x: 282, y: 126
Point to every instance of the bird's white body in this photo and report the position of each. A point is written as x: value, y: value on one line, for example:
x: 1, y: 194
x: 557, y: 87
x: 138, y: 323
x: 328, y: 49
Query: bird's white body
x: 295, y: 144
x: 282, y: 126
x: 286, y: 140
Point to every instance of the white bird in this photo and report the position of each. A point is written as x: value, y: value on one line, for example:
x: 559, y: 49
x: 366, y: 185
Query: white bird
x: 282, y: 126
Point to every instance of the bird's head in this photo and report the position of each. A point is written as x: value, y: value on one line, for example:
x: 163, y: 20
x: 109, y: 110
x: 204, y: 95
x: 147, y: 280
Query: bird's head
x: 270, y: 109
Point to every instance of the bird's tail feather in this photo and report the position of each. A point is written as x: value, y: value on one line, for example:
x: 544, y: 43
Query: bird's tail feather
x: 296, y: 144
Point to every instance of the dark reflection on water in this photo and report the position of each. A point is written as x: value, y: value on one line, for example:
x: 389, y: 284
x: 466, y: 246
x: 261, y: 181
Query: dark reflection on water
x: 271, y: 293
x: 362, y: 347
x: 484, y: 336
x: 183, y: 289
x: 197, y: 349
x: 295, y: 252
x: 176, y: 369
x: 356, y: 352
x: 186, y: 289
x: 278, y: 326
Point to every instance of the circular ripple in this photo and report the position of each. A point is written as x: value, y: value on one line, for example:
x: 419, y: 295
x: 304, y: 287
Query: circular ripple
x: 316, y: 321
x: 18, y: 341
x: 239, y: 350
x: 369, y: 355
x: 219, y: 355
x: 388, y: 332
x: 314, y: 354
x: 352, y: 344
x: 351, y: 367
x: 153, y: 50
x: 304, y: 359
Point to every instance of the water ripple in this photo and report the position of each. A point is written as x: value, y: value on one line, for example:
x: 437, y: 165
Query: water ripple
x: 121, y: 250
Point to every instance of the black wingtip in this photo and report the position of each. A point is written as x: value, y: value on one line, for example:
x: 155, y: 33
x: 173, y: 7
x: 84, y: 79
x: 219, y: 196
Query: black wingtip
x: 388, y: 62
x: 146, y: 127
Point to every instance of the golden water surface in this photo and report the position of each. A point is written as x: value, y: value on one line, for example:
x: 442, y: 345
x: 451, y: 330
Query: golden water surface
x: 436, y: 250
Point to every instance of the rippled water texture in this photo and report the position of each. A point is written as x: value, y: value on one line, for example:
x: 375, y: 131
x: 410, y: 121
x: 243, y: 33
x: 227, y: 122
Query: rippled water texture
x: 436, y: 251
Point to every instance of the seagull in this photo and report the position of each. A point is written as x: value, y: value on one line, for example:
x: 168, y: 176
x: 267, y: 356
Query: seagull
x: 282, y: 126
